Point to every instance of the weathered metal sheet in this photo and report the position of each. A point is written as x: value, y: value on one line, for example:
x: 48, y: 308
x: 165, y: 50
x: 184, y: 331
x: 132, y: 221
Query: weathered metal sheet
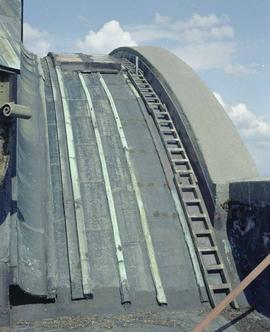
x: 10, y: 34
x: 87, y: 63
x: 34, y: 191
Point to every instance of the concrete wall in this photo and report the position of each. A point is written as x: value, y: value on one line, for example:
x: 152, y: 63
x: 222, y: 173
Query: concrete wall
x: 218, y: 156
x: 213, y: 144
x: 248, y: 230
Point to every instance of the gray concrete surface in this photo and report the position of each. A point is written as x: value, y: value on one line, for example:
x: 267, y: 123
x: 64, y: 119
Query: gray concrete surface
x: 214, y: 146
x: 211, y: 138
x: 147, y: 321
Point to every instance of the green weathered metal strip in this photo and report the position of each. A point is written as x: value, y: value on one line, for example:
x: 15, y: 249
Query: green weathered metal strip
x: 117, y: 240
x: 10, y: 34
x: 73, y: 254
x: 161, y: 297
x: 50, y: 238
x: 80, y: 222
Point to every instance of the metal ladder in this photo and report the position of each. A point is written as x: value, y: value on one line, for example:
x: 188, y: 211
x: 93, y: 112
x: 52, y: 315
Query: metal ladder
x: 213, y: 270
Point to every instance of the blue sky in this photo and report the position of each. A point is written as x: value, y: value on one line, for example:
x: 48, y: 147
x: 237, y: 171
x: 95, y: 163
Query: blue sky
x: 227, y: 42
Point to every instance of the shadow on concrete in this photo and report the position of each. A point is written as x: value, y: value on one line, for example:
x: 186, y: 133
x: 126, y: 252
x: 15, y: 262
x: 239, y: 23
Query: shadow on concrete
x: 235, y: 320
x: 18, y: 297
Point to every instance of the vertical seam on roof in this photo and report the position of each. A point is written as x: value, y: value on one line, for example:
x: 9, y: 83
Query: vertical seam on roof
x: 68, y: 213
x: 161, y: 297
x: 105, y: 173
x: 79, y: 213
x: 50, y: 232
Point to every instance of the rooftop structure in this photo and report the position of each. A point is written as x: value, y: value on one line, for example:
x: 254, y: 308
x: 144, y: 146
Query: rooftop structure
x: 128, y: 200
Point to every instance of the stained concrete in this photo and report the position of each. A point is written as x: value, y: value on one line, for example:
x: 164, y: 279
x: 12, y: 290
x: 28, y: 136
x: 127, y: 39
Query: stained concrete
x: 221, y: 150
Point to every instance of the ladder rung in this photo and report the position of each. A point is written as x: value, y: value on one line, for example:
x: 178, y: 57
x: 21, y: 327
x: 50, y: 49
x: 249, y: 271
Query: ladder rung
x: 144, y: 90
x: 169, y: 139
x: 215, y: 267
x: 184, y: 160
x: 179, y: 161
x: 187, y: 186
x: 208, y: 250
x: 167, y: 130
x: 154, y: 103
x: 192, y: 201
x: 161, y: 121
x: 182, y: 171
x: 157, y: 113
x: 161, y: 111
x: 204, y: 232
x: 144, y: 84
x: 171, y: 150
x: 148, y: 95
x: 220, y: 287
x: 152, y: 100
x: 202, y: 216
x: 140, y: 81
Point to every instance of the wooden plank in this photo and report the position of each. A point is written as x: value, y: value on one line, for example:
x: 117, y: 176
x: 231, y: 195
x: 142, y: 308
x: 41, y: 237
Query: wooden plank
x: 124, y: 288
x: 80, y: 219
x: 69, y: 214
x: 233, y: 294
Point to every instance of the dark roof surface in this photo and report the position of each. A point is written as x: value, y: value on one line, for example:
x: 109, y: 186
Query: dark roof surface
x: 92, y: 230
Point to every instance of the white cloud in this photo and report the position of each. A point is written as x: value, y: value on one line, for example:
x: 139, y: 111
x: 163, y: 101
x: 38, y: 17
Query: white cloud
x: 205, y: 56
x: 110, y: 36
x: 83, y: 19
x: 254, y: 130
x: 240, y: 70
x: 35, y: 40
x: 196, y: 29
x: 250, y: 125
x: 204, y: 42
x: 198, y: 21
x: 196, y: 35
x: 160, y: 19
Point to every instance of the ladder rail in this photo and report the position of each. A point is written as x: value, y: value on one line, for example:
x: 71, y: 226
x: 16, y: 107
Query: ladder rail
x: 201, y: 229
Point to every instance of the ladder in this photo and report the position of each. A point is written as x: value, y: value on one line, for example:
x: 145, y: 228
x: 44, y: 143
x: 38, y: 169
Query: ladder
x: 213, y: 270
